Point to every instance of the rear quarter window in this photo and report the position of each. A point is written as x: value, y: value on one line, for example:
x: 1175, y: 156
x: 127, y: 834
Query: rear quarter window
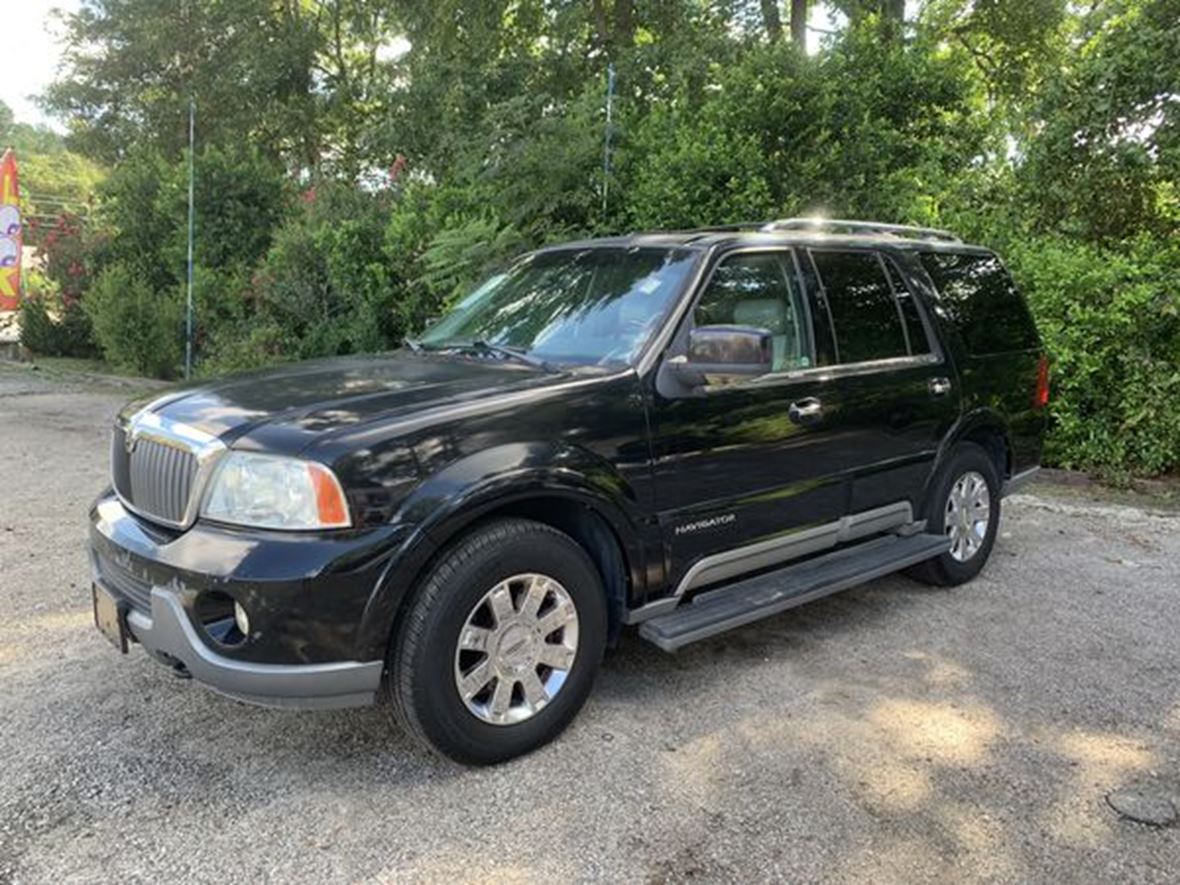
x: 982, y: 301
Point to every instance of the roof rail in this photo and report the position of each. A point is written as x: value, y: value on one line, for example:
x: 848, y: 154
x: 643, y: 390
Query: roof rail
x: 839, y: 225
x: 725, y: 228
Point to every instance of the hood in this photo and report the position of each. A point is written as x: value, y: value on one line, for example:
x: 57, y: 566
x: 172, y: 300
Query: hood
x: 286, y: 408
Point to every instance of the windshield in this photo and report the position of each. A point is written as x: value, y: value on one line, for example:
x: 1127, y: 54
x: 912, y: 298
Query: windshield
x: 588, y: 306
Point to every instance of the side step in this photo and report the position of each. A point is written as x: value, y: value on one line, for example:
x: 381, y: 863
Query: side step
x: 755, y: 598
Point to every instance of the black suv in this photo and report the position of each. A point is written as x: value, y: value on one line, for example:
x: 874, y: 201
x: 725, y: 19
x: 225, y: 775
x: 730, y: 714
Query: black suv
x: 681, y: 431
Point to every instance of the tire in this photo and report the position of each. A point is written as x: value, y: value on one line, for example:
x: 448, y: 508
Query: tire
x: 462, y: 598
x: 968, y: 461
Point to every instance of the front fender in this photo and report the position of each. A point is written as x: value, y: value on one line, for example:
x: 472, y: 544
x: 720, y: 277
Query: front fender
x: 463, y: 490
x: 449, y: 500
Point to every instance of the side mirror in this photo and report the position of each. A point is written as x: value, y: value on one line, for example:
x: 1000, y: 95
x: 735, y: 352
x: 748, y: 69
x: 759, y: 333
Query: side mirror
x: 737, y: 351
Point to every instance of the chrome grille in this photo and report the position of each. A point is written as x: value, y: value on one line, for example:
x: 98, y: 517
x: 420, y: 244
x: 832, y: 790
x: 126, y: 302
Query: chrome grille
x: 160, y: 476
x: 120, y: 463
x: 162, y: 479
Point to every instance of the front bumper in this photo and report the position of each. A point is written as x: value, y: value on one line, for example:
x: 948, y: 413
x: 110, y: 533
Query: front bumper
x: 306, y: 598
x: 168, y: 632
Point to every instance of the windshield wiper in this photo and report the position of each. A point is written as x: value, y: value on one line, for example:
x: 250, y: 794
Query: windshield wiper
x: 513, y: 352
x: 413, y: 343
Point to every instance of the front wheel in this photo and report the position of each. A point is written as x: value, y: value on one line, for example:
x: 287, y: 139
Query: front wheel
x: 964, y: 505
x: 500, y: 645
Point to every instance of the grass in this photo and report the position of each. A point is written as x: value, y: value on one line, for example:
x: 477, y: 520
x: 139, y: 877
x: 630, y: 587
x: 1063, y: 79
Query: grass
x: 74, y: 365
x: 95, y: 374
x: 1158, y: 493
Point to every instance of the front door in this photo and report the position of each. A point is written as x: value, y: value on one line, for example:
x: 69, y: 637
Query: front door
x: 754, y: 465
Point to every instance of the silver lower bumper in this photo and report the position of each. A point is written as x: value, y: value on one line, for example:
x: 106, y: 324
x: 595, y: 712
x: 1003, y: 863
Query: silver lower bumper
x: 168, y: 631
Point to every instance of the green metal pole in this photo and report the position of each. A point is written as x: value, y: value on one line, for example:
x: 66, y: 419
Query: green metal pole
x: 188, y: 337
x: 610, y: 104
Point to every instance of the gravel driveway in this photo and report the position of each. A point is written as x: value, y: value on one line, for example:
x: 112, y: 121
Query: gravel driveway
x: 891, y: 733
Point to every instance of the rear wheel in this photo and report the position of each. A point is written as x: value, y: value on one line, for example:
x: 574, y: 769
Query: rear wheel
x: 964, y: 505
x: 500, y: 645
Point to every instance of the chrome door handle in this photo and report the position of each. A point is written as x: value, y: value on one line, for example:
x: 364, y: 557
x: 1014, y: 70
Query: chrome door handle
x: 806, y: 411
x: 940, y: 386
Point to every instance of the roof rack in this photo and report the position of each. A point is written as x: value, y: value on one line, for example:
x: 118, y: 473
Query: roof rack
x: 724, y: 228
x: 839, y: 225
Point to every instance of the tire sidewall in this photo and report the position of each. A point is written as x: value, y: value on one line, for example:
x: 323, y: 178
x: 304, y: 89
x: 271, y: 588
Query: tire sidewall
x: 439, y: 708
x: 967, y: 457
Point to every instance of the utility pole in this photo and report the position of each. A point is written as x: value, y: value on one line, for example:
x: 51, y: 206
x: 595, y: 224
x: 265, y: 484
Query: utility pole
x: 610, y: 101
x: 188, y: 337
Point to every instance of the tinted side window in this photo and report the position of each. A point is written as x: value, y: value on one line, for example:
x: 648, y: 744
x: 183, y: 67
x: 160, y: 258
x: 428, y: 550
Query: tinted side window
x: 864, y: 312
x: 756, y: 290
x: 916, y: 335
x: 821, y: 321
x: 982, y: 301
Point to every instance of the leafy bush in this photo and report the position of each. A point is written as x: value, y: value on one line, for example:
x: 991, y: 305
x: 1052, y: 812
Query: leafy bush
x: 862, y: 131
x: 50, y: 329
x: 324, y: 283
x: 68, y: 251
x: 243, y: 345
x: 136, y: 327
x: 51, y: 324
x: 335, y: 281
x: 241, y: 197
x: 38, y: 331
x: 460, y: 256
x: 1110, y: 318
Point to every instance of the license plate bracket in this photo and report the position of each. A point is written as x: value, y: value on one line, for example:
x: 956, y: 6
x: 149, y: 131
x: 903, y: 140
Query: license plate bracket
x: 110, y: 616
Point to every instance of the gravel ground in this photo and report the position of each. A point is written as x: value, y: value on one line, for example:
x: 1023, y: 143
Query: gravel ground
x: 891, y: 733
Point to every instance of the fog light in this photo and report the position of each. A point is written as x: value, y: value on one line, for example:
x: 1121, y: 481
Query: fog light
x: 241, y: 620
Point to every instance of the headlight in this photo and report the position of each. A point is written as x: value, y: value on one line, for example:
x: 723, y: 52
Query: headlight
x: 273, y: 492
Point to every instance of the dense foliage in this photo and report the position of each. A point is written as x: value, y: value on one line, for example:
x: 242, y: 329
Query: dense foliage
x: 1112, y: 319
x: 51, y: 327
x: 57, y: 185
x: 53, y: 178
x: 137, y: 328
x: 359, y: 162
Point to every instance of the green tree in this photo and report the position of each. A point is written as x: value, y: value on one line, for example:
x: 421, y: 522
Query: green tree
x: 865, y: 130
x: 131, y: 66
x: 240, y: 198
x: 444, y: 136
x: 1105, y: 161
x: 1014, y: 46
x: 53, y: 179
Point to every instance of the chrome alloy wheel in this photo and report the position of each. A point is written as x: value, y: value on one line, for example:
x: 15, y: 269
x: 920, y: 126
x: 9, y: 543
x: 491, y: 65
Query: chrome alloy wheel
x: 516, y: 649
x: 968, y: 510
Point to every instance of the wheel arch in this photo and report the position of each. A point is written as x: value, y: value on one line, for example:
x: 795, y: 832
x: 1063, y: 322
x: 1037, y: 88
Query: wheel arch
x: 590, y: 528
x: 983, y: 427
x: 572, y: 501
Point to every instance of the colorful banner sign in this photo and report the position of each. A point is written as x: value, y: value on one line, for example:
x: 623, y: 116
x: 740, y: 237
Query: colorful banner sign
x: 10, y: 233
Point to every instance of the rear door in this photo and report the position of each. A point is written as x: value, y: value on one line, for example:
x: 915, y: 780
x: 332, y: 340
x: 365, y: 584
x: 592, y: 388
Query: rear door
x: 896, y: 391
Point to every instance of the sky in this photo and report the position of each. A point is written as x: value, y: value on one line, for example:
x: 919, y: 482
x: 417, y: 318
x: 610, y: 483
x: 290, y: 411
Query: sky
x: 28, y: 54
